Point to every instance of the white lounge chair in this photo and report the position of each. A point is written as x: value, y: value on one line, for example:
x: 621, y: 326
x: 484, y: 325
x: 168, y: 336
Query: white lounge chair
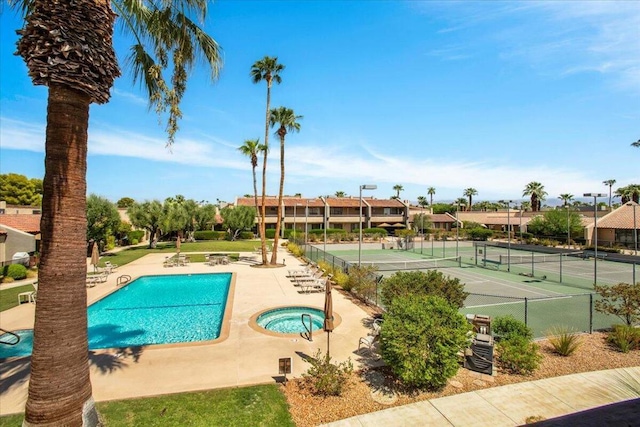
x: 368, y: 343
x: 29, y: 296
x: 109, y: 267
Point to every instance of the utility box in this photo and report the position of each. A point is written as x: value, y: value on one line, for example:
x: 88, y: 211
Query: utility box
x: 481, y: 324
x: 480, y: 358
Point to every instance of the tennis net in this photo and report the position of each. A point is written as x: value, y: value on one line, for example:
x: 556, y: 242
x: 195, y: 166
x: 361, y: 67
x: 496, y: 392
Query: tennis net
x: 528, y: 259
x: 424, y: 264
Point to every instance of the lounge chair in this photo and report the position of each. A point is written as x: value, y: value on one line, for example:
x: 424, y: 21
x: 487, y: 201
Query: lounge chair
x: 110, y: 268
x: 368, y: 342
x: 94, y: 279
x: 29, y: 296
x: 168, y: 262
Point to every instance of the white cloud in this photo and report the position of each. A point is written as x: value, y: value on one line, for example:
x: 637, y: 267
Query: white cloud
x: 128, y: 96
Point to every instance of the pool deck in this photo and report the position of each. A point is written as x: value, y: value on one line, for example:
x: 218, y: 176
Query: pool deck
x: 245, y: 357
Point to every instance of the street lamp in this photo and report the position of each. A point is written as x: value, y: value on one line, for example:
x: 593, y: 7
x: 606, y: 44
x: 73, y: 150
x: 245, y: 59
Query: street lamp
x: 306, y: 222
x: 457, y: 228
x: 635, y: 242
x: 595, y: 232
x: 508, y: 202
x: 422, y: 226
x: 362, y: 187
x: 294, y: 220
x: 568, y: 228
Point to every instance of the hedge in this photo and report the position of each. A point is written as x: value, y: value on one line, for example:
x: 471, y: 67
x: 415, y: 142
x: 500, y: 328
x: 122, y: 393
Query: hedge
x: 210, y: 235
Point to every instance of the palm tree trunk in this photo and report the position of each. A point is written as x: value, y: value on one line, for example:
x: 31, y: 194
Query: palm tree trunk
x: 255, y: 196
x: 263, y: 208
x: 274, y: 254
x: 60, y: 387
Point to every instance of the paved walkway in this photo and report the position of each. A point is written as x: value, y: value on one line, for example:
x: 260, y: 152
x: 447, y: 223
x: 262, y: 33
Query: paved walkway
x: 517, y: 404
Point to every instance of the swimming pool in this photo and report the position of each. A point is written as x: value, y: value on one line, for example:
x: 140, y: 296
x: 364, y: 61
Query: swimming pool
x: 157, y: 310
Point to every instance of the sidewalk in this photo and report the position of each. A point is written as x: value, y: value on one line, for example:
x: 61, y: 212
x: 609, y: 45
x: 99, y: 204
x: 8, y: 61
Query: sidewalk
x: 517, y: 404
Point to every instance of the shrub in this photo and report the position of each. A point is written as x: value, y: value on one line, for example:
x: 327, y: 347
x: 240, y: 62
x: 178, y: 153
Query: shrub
x: 624, y: 338
x: 136, y: 235
x: 209, y: 235
x: 518, y: 355
x: 16, y: 271
x: 479, y: 233
x: 363, y: 281
x: 270, y: 233
x: 564, y: 340
x: 246, y: 235
x: 326, y: 378
x: 295, y: 250
x: 507, y: 327
x: 421, y: 338
x: 134, y: 241
x: 622, y: 300
x: 340, y: 278
x: 431, y: 282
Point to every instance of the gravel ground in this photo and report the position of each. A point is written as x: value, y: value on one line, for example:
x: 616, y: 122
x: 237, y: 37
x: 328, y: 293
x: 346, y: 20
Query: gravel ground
x: 309, y: 410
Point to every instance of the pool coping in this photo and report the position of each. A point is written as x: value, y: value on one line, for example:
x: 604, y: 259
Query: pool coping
x: 253, y: 323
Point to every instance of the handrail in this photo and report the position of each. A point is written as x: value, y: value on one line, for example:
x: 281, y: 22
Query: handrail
x: 4, y: 331
x: 121, y: 280
x: 309, y: 329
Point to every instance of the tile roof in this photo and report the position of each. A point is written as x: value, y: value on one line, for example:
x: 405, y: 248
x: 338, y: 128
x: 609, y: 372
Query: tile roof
x: 384, y: 203
x: 440, y: 218
x: 23, y: 222
x: 621, y: 218
x: 287, y: 201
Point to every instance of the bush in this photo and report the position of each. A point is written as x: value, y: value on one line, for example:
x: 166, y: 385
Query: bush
x: 270, y: 233
x: 136, y: 235
x: 16, y: 271
x: 363, y: 281
x: 134, y: 241
x: 431, y: 282
x: 518, y: 355
x: 479, y: 233
x: 295, y: 250
x: 209, y: 235
x: 624, y: 338
x: 326, y: 378
x: 246, y: 235
x: 622, y: 300
x: 507, y: 327
x: 421, y: 338
x: 564, y: 341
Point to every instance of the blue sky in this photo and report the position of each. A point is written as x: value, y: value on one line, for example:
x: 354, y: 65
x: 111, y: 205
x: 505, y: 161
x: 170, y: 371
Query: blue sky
x: 451, y: 95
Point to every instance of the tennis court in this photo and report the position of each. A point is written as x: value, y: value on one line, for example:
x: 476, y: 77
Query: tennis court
x: 539, y: 302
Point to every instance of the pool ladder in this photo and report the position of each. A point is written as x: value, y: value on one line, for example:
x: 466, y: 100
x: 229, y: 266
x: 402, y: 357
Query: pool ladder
x: 309, y: 328
x: 125, y: 278
x: 4, y: 331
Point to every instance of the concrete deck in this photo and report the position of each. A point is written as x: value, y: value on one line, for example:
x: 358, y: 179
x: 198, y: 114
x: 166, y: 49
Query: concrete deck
x: 245, y: 357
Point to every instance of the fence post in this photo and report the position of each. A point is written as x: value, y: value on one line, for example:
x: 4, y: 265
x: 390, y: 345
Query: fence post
x: 590, y: 313
x: 526, y: 310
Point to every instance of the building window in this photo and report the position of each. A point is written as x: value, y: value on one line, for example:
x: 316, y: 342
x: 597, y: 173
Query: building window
x: 336, y: 211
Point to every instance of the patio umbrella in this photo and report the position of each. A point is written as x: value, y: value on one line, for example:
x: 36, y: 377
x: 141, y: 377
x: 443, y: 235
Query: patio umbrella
x: 95, y: 256
x: 328, y: 312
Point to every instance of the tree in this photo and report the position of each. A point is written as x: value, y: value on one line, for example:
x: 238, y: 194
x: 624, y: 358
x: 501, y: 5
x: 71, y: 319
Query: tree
x: 16, y: 189
x: 147, y: 215
x: 629, y: 192
x: 340, y: 194
x: 470, y: 192
x: 566, y: 198
x: 536, y: 191
x: 251, y: 148
x: 287, y: 121
x: 68, y: 46
x: 554, y: 223
x: 206, y: 216
x: 609, y: 183
x: 422, y: 201
x: 622, y: 300
x: 460, y: 201
x: 102, y: 218
x: 420, y: 340
x: 525, y: 205
x: 267, y: 69
x: 237, y: 219
x: 397, y: 188
x: 636, y: 144
x: 125, y: 202
x: 421, y: 222
x: 431, y: 191
x: 431, y: 282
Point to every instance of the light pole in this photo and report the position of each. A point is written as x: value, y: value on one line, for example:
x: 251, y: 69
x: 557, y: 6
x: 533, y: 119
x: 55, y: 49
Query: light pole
x: 568, y: 228
x: 422, y: 227
x: 509, y: 234
x: 306, y: 222
x: 362, y: 187
x: 595, y: 232
x: 635, y: 242
x: 520, y: 209
x: 294, y: 219
x: 457, y: 228
x: 324, y: 225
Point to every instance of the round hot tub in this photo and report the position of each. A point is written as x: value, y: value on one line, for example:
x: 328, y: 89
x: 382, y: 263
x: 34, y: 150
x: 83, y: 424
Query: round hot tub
x: 288, y: 320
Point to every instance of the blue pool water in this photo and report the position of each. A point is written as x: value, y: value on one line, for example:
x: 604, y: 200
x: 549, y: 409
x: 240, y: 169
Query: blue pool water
x: 154, y: 310
x: 287, y: 320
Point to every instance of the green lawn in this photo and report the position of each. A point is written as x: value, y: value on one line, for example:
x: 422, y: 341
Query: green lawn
x: 262, y: 405
x: 9, y: 297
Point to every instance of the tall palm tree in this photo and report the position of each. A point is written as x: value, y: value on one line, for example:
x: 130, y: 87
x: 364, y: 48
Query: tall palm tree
x: 610, y: 183
x: 68, y: 46
x: 460, y: 202
x: 398, y: 188
x: 629, y: 192
x: 431, y: 191
x: 566, y: 198
x: 422, y: 201
x: 536, y: 191
x: 287, y: 121
x: 470, y: 192
x: 251, y: 148
x: 340, y: 194
x: 636, y: 144
x: 266, y: 69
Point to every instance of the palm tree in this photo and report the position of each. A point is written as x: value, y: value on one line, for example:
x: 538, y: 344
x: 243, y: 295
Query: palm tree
x: 266, y: 69
x: 431, y: 191
x: 460, y: 201
x: 525, y: 205
x: 610, y: 183
x: 636, y: 144
x: 340, y: 194
x: 422, y: 201
x: 536, y: 191
x: 566, y: 198
x: 397, y: 188
x: 470, y: 192
x: 251, y: 148
x: 79, y: 68
x: 288, y: 122
x: 630, y: 192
